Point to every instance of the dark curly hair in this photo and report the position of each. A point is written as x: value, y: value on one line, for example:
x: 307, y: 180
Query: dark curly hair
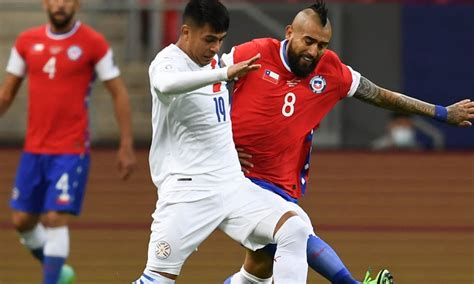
x: 202, y: 12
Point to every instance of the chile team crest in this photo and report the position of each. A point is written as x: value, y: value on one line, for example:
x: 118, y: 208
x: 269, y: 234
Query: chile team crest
x: 74, y: 52
x: 317, y: 84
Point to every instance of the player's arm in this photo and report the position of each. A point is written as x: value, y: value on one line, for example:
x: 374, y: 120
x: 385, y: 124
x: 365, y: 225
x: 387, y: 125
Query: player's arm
x: 456, y: 114
x: 171, y: 82
x: 8, y: 91
x: 16, y: 70
x: 126, y: 153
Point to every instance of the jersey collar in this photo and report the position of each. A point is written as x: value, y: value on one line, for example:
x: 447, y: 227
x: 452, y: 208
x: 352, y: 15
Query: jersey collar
x: 70, y: 33
x: 284, y: 54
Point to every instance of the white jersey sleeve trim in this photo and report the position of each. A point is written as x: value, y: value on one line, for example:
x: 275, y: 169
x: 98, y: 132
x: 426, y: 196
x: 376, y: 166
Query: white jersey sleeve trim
x: 16, y: 64
x: 228, y: 58
x: 355, y: 82
x: 172, y: 83
x: 106, y: 68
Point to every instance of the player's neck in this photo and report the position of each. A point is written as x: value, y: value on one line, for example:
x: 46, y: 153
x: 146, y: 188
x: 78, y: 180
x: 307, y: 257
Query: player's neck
x: 62, y: 30
x: 182, y: 45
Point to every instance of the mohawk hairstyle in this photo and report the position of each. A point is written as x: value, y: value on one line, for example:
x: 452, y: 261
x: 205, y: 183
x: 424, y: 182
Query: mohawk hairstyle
x: 320, y: 8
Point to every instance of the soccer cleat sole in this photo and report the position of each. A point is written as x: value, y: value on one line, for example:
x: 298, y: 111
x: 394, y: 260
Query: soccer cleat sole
x: 386, y: 278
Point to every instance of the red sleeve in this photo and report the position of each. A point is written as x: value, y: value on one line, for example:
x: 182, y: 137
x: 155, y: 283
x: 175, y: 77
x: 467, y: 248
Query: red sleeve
x: 100, y: 47
x: 21, y: 45
x: 342, y: 73
x: 245, y: 51
x: 346, y: 80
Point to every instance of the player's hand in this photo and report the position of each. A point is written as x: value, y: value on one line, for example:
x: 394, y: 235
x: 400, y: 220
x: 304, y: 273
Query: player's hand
x: 460, y: 113
x: 244, y: 159
x: 126, y: 161
x: 242, y: 68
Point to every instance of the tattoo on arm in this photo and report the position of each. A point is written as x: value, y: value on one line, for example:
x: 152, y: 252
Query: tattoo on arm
x: 373, y: 94
x: 368, y: 92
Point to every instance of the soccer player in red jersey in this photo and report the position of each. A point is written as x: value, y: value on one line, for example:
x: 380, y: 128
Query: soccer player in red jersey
x: 276, y: 109
x: 61, y: 60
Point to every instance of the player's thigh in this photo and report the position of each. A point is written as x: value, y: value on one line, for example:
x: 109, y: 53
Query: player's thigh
x: 67, y: 176
x: 29, y: 191
x: 250, y: 207
x: 179, y: 227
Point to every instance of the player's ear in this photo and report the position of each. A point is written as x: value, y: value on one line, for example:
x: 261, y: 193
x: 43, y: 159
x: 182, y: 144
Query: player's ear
x: 185, y: 30
x: 288, y: 31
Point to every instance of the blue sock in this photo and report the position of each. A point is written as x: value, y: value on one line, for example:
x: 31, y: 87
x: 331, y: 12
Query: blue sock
x: 324, y: 260
x: 38, y: 254
x: 52, y: 268
x: 344, y: 277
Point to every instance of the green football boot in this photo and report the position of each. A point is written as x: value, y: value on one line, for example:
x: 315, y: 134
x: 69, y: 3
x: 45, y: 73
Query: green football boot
x: 384, y: 277
x: 67, y: 275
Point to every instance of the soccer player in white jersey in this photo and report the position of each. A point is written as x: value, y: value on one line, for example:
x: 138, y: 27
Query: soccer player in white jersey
x: 61, y: 60
x: 195, y: 165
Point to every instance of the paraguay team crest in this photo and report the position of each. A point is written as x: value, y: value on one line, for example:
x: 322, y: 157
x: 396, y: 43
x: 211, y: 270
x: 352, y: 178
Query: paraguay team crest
x: 74, y: 52
x: 317, y: 84
x: 163, y: 250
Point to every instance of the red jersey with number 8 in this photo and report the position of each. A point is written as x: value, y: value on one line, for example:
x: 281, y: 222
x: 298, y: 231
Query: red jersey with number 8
x: 274, y: 113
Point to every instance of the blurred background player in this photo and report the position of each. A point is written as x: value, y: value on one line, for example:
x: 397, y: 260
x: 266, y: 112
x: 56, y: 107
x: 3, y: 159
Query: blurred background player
x: 194, y: 163
x: 60, y: 59
x: 299, y: 83
x: 400, y: 134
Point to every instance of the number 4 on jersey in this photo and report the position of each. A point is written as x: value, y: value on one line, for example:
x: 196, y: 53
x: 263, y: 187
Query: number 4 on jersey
x: 63, y: 183
x: 50, y: 67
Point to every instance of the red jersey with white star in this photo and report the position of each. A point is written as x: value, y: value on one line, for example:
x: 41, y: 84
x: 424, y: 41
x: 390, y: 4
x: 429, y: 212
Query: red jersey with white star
x: 60, y: 70
x: 274, y: 113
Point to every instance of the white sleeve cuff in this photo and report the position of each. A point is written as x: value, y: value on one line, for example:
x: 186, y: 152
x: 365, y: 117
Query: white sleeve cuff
x: 106, y: 68
x: 355, y: 82
x: 16, y: 65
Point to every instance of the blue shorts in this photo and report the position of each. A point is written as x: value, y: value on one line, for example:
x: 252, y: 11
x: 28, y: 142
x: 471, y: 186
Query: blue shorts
x: 273, y: 188
x: 50, y: 183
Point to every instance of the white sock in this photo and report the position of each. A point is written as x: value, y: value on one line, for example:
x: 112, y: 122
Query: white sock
x: 57, y: 242
x: 290, y: 265
x: 243, y: 277
x: 149, y: 277
x: 34, y: 238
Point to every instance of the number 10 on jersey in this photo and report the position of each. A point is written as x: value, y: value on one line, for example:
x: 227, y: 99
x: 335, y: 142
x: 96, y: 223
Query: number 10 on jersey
x: 220, y: 108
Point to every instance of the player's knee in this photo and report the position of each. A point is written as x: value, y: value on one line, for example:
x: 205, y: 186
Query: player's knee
x: 294, y: 229
x: 54, y: 219
x: 283, y: 219
x: 24, y: 221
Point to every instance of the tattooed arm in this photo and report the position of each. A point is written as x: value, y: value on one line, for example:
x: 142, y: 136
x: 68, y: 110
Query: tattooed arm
x: 457, y: 114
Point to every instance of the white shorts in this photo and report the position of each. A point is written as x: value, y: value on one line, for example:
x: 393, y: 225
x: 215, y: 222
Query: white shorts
x: 187, y: 212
